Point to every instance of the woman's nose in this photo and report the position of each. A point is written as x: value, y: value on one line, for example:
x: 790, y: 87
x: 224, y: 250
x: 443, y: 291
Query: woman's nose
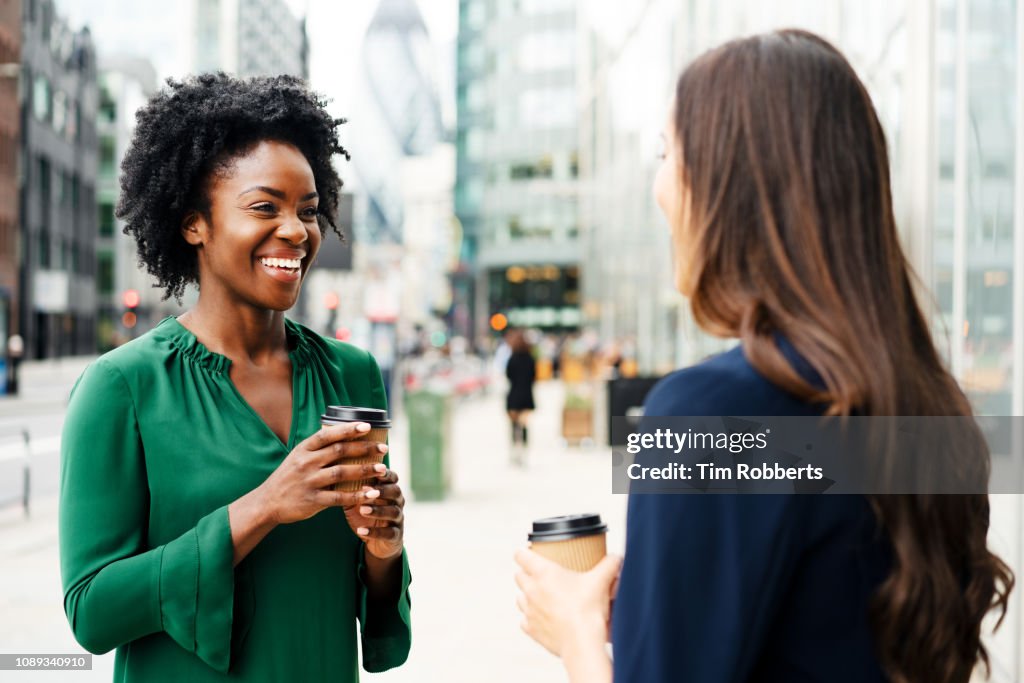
x: 293, y: 230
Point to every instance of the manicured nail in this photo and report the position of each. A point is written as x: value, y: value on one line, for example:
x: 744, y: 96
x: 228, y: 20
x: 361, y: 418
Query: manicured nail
x: 373, y: 493
x: 362, y: 427
x: 365, y: 510
x: 362, y: 531
x: 380, y: 467
x: 382, y: 447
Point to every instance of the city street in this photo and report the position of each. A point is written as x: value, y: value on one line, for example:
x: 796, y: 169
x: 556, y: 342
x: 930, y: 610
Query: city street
x: 466, y: 626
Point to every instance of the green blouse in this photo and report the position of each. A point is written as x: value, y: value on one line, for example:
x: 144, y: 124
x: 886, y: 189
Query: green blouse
x: 156, y: 444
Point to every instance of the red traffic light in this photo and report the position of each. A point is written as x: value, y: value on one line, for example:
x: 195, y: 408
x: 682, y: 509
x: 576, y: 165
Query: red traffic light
x: 130, y: 298
x: 331, y: 301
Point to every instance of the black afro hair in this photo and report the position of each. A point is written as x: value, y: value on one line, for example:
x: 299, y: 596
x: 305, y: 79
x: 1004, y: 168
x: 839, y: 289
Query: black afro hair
x: 195, y: 127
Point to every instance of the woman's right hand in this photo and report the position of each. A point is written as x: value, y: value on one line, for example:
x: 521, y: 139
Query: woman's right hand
x: 301, y: 485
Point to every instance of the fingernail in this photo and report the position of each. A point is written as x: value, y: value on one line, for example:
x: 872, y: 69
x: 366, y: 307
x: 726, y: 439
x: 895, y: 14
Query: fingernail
x: 380, y: 467
x: 382, y: 447
x: 362, y: 531
x: 365, y: 510
x: 362, y: 427
x: 373, y: 493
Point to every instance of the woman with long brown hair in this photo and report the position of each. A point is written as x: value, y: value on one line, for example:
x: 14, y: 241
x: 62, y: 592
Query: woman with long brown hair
x: 775, y: 183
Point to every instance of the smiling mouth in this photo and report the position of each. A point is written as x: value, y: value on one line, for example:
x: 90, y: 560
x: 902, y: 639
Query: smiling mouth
x: 285, y: 265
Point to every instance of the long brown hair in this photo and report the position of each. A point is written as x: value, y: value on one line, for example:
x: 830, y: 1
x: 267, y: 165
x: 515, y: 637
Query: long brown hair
x: 791, y: 229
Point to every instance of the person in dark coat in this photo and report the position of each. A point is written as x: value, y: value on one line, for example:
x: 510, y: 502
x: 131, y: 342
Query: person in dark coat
x: 521, y: 372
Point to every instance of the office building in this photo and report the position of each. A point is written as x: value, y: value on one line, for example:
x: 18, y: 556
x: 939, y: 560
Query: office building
x: 125, y: 83
x: 10, y: 55
x: 248, y: 38
x: 516, y: 192
x: 57, y: 302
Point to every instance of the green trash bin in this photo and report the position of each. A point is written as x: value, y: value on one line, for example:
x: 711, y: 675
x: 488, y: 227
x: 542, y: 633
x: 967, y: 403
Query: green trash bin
x: 429, y: 416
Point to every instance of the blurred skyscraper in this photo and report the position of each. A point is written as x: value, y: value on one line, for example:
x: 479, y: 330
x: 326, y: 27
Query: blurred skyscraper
x: 517, y: 162
x: 398, y: 115
x: 248, y: 38
x: 10, y: 56
x: 125, y: 85
x: 58, y: 191
x: 395, y: 136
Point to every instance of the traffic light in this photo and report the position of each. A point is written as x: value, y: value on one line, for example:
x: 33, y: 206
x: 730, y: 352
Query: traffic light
x: 130, y: 299
x: 499, y: 322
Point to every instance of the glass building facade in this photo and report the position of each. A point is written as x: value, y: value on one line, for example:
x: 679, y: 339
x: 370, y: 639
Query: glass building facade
x: 516, y: 193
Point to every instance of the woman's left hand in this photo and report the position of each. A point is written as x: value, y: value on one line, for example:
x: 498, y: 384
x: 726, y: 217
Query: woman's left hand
x: 565, y: 610
x: 380, y: 520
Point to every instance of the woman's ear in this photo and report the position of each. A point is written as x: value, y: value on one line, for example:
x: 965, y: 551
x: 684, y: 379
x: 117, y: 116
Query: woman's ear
x: 193, y: 228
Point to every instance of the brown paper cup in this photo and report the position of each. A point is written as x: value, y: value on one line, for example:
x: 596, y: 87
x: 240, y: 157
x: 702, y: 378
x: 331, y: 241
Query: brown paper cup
x: 578, y: 554
x: 377, y: 434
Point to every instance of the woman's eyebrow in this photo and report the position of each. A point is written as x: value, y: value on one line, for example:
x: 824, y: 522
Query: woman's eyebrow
x: 276, y: 193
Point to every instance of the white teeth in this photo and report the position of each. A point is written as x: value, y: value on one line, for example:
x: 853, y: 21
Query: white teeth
x: 290, y: 263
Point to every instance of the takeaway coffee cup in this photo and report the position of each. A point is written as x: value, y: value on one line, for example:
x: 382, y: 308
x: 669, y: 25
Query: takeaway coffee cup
x: 576, y: 542
x: 379, y: 426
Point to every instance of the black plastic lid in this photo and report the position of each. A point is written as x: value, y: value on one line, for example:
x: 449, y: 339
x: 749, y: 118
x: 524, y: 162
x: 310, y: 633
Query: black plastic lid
x: 376, y: 418
x: 566, y: 527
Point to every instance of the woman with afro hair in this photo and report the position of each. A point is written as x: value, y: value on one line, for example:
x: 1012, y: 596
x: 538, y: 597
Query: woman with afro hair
x: 201, y: 533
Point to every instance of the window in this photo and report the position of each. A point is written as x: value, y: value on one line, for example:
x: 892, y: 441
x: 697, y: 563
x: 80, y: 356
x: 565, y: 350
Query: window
x: 108, y: 106
x: 74, y: 122
x: 42, y: 106
x: 547, y: 108
x: 43, y: 248
x: 107, y: 154
x: 104, y: 272
x: 546, y: 6
x: 547, y: 50
x: 540, y: 168
x: 106, y: 219
x: 476, y: 15
x: 60, y: 112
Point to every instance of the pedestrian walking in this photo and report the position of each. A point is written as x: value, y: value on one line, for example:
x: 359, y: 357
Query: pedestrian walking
x: 201, y: 534
x: 521, y: 372
x: 775, y: 184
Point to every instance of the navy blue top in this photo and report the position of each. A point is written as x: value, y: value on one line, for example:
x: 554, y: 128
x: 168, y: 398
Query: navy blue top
x: 724, y: 588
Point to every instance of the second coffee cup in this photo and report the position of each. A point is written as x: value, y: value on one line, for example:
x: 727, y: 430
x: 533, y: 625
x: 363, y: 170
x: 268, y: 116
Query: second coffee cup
x: 576, y: 542
x: 379, y: 426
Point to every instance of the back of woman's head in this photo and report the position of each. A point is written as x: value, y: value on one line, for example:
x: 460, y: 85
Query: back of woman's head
x: 790, y: 229
x: 518, y: 341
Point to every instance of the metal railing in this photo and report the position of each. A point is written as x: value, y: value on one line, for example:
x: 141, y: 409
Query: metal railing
x: 14, y: 446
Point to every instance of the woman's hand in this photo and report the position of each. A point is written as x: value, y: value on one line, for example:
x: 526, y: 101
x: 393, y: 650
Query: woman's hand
x: 380, y: 519
x: 565, y: 611
x: 301, y: 486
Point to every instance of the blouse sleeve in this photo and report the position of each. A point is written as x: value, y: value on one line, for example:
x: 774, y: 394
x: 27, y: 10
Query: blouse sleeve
x: 116, y: 587
x: 386, y: 629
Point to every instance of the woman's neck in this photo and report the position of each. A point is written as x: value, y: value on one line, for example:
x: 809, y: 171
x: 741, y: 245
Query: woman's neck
x: 238, y: 332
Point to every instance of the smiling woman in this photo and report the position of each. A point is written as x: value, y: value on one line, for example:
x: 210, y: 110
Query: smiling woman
x: 201, y: 532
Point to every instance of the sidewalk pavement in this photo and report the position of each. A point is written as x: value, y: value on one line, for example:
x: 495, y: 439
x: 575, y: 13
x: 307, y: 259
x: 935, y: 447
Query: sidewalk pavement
x: 465, y: 623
